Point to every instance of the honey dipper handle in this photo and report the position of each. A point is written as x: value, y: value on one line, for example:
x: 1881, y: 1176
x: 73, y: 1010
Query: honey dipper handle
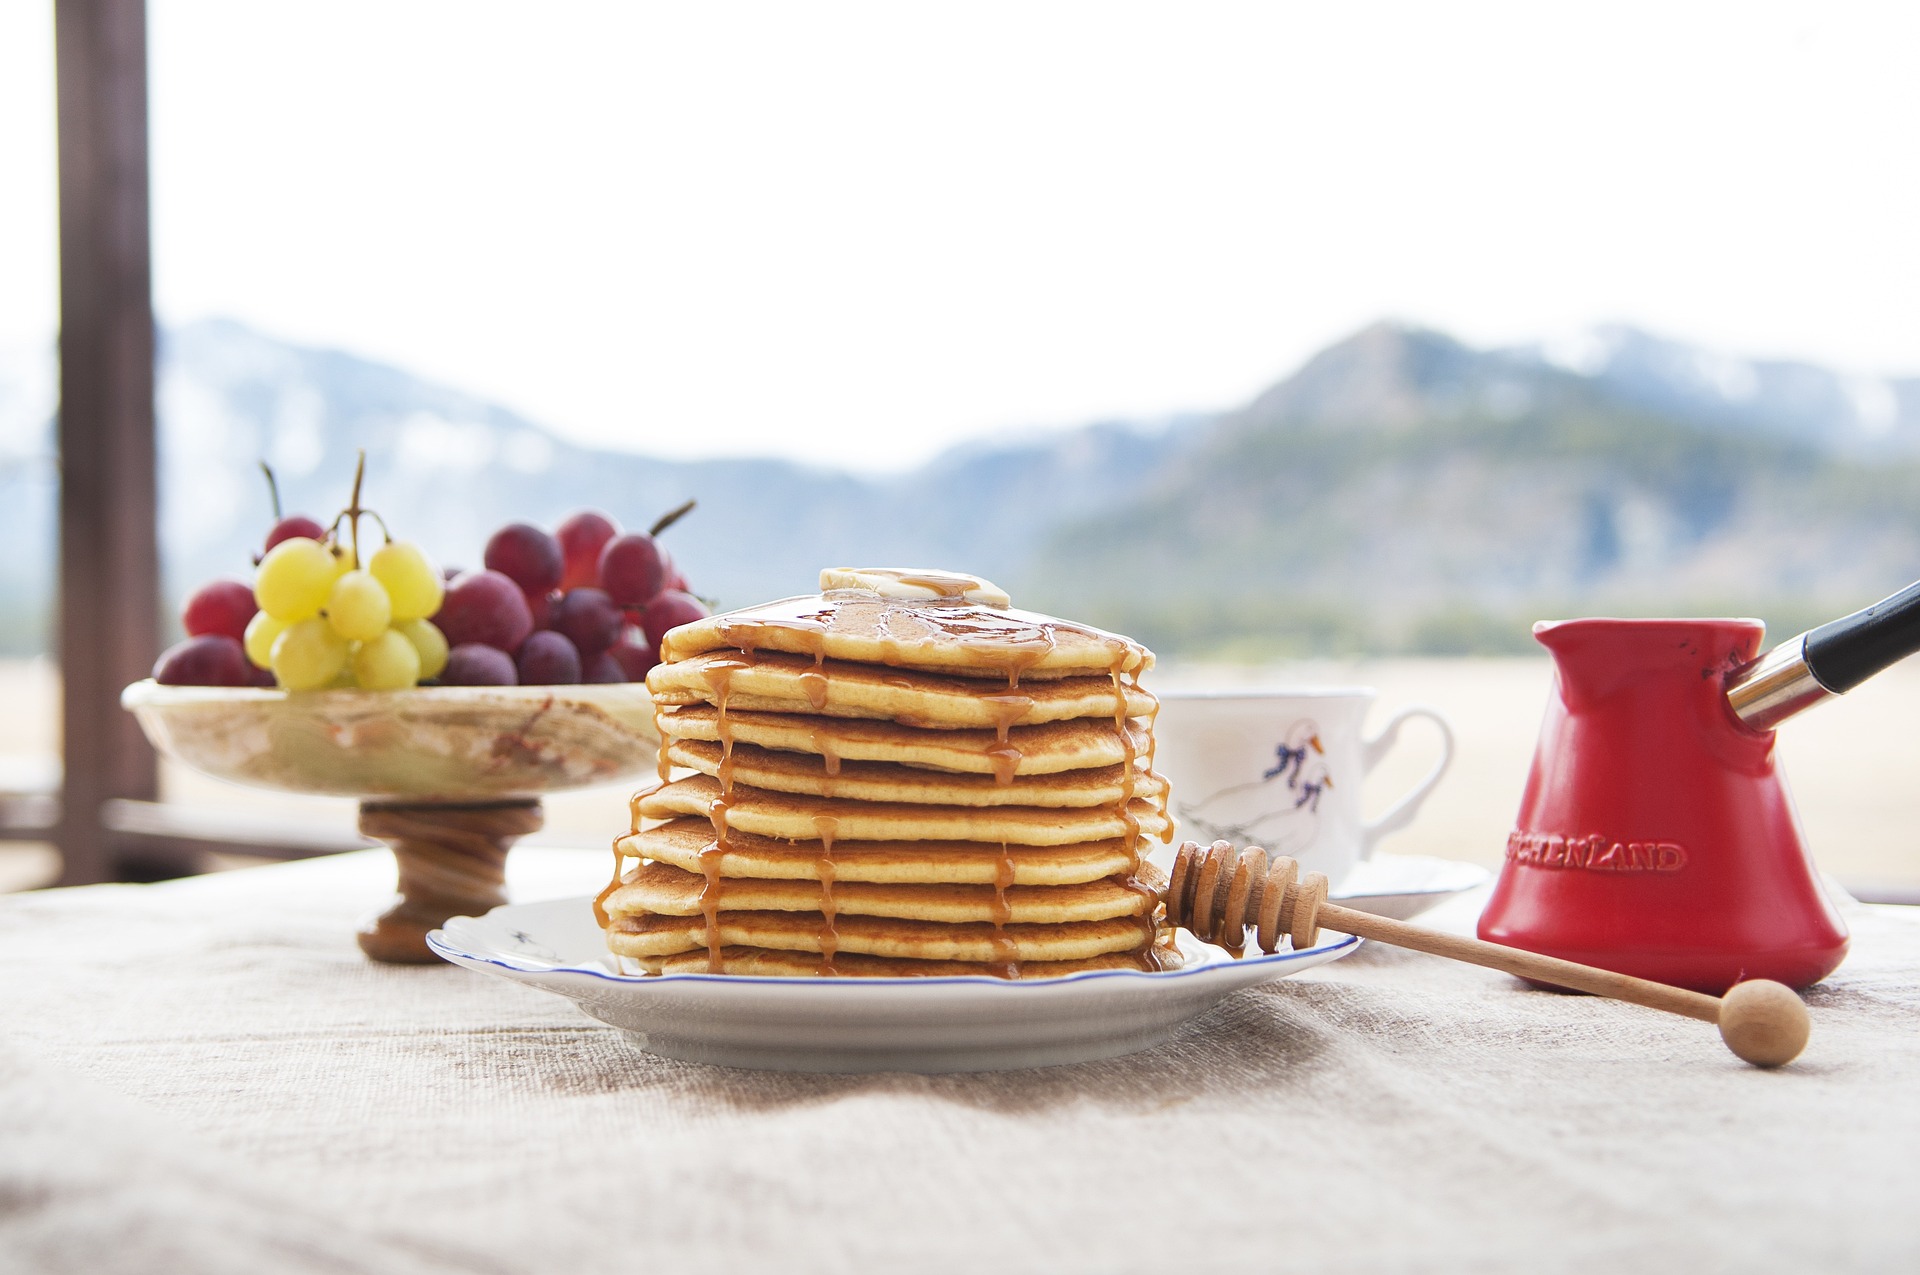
x: 1221, y: 892
x: 1524, y: 964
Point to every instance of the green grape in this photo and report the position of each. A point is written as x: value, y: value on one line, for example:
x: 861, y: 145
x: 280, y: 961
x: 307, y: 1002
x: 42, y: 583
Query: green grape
x: 412, y: 581
x: 262, y: 630
x: 309, y: 655
x: 295, y: 578
x: 386, y: 663
x: 358, y: 608
x: 429, y: 641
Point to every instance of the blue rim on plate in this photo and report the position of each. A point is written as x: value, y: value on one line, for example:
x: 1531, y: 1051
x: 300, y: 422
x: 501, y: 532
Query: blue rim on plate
x: 1217, y: 959
x: 942, y: 1023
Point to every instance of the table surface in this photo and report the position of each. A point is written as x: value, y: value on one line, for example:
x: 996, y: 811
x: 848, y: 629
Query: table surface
x: 206, y: 1075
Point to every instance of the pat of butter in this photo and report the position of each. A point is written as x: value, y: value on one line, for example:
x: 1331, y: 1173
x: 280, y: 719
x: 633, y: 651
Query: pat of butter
x: 915, y: 584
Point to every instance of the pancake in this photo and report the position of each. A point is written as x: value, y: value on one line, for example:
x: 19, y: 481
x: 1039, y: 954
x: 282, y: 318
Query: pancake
x: 901, y: 776
x: 1079, y: 744
x: 662, y: 889
x: 795, y: 684
x: 883, y: 781
x: 771, y: 963
x: 795, y: 818
x: 939, y: 629
x: 881, y: 936
x: 680, y: 841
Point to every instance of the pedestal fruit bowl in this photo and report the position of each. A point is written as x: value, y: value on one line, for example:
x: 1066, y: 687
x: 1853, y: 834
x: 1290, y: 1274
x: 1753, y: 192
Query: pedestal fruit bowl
x: 449, y: 777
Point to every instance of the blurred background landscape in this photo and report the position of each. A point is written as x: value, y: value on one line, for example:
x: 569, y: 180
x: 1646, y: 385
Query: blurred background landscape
x: 1400, y: 493
x: 1302, y: 346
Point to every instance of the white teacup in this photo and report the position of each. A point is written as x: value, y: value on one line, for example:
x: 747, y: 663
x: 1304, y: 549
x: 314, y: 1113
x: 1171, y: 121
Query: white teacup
x: 1282, y: 770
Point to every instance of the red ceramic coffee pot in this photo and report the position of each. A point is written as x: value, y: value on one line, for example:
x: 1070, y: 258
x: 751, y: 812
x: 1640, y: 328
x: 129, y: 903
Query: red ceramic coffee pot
x: 1655, y: 836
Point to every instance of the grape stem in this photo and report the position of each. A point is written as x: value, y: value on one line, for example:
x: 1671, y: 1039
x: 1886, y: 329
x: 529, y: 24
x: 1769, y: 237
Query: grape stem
x: 670, y: 517
x: 353, y: 512
x: 273, y: 489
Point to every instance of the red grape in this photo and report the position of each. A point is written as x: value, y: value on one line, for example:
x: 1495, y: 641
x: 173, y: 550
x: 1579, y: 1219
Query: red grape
x: 526, y: 555
x: 589, y: 619
x: 670, y: 610
x: 632, y: 570
x: 676, y: 580
x: 485, y: 607
x: 635, y: 657
x: 294, y: 525
x: 548, y: 659
x: 212, y: 659
x: 261, y: 677
x: 603, y: 668
x: 219, y: 607
x: 582, y: 536
x: 472, y: 664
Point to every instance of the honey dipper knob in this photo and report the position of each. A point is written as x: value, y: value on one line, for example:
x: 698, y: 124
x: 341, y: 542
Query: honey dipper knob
x: 1764, y: 1022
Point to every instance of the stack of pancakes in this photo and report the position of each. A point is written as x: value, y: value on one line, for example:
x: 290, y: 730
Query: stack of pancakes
x: 899, y: 776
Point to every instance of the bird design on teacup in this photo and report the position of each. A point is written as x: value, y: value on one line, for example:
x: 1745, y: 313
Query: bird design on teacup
x: 1291, y: 753
x: 1278, y: 810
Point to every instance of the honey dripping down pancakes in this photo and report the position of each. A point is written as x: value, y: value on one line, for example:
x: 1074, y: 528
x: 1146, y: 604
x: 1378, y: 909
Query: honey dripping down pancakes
x: 901, y: 775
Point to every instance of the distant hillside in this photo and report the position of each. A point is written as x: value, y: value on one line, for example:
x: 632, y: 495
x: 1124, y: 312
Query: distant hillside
x: 1399, y: 492
x: 449, y: 469
x: 1405, y: 493
x: 1867, y: 416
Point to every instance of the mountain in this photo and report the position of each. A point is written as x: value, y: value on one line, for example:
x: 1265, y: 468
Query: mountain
x: 1395, y: 374
x: 456, y: 468
x: 449, y: 469
x: 1399, y: 491
x: 1405, y: 492
x: 1867, y: 416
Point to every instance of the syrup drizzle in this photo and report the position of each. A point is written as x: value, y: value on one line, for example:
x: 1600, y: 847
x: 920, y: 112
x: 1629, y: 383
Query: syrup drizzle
x: 726, y: 763
x: 600, y: 899
x: 1123, y: 724
x: 619, y: 854
x: 711, y: 856
x: 829, y: 828
x: 1006, y: 952
x: 719, y: 678
x: 1129, y: 777
x: 660, y: 758
x: 1006, y: 710
x: 1020, y: 640
x: 1006, y: 759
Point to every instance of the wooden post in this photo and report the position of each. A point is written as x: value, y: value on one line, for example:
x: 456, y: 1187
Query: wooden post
x: 109, y: 559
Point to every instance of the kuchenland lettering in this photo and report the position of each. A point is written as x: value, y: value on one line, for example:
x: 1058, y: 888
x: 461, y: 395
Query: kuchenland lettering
x: 1594, y: 853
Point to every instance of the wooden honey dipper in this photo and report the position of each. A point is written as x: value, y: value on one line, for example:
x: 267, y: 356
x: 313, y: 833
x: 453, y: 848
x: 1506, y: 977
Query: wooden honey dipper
x: 1221, y: 892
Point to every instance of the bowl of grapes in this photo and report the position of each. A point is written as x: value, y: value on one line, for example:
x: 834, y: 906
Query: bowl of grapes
x: 446, y: 704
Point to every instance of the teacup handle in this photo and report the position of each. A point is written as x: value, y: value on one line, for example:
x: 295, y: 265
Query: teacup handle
x: 1372, y: 750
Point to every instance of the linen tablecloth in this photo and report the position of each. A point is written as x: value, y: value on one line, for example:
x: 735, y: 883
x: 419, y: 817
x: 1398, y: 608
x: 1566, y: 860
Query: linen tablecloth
x: 207, y: 1076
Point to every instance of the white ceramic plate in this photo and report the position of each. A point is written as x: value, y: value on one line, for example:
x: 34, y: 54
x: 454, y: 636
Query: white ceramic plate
x: 858, y: 1024
x: 1402, y: 886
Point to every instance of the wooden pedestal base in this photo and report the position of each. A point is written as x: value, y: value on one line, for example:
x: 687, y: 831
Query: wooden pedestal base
x: 452, y: 862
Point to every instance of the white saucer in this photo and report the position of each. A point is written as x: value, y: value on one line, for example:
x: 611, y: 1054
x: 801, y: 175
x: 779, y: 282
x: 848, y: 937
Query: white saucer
x: 1402, y: 886
x: 859, y: 1024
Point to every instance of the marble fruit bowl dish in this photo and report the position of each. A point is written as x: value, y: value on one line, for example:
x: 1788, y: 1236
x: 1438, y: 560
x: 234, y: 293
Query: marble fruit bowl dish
x: 452, y: 744
x: 449, y: 777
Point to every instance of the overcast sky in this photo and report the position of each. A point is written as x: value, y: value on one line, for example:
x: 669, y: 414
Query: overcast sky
x: 856, y: 233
